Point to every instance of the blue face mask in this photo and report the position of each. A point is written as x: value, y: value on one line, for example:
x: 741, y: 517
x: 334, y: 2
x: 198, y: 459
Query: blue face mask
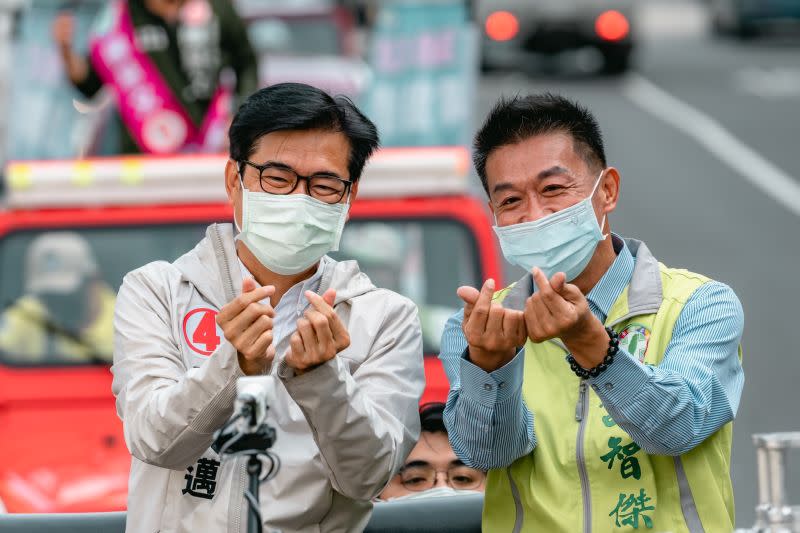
x: 564, y: 241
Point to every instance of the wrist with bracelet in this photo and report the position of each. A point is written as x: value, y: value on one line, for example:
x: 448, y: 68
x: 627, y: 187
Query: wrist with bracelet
x: 613, y: 348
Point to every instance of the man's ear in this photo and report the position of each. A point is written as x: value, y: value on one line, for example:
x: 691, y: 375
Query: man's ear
x: 353, y: 194
x: 231, y: 180
x: 610, y: 190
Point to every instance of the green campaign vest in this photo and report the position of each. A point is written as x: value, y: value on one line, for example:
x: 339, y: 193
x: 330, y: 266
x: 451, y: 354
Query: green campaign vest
x: 586, y: 473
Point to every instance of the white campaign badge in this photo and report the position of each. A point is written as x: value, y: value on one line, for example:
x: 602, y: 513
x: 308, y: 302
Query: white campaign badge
x: 634, y: 340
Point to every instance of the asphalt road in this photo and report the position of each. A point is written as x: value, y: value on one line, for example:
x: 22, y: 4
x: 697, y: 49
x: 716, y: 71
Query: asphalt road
x: 706, y: 133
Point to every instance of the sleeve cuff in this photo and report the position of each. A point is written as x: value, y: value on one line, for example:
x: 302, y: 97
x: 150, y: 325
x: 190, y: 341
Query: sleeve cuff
x: 622, y: 380
x: 487, y: 388
x: 322, y: 374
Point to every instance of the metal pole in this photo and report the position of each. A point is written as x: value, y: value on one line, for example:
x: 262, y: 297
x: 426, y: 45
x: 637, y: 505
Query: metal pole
x: 763, y: 507
x: 777, y: 486
x: 774, y: 514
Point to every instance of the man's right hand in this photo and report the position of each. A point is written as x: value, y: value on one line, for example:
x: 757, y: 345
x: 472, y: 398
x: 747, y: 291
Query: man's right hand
x: 493, y: 333
x: 76, y: 66
x: 64, y: 31
x: 247, y: 324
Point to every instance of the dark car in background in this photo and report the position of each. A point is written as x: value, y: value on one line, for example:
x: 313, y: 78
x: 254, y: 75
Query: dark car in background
x: 746, y: 18
x: 516, y: 32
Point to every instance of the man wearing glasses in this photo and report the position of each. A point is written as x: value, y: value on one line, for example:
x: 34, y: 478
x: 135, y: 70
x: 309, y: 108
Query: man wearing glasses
x: 347, y: 356
x: 432, y: 469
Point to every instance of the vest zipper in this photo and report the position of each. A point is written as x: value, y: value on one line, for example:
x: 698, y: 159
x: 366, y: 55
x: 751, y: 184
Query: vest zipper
x: 581, y: 417
x: 519, y: 512
x: 581, y: 401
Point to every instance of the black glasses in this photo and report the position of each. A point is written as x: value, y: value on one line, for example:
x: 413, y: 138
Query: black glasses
x: 460, y: 477
x: 279, y: 179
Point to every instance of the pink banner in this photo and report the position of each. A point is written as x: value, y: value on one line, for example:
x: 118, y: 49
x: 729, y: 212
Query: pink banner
x: 153, y: 114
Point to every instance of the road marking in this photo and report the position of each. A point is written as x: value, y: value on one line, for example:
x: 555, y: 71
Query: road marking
x: 709, y: 133
x: 769, y: 83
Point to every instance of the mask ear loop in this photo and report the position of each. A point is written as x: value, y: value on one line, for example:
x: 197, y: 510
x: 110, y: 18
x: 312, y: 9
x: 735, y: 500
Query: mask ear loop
x: 342, y: 220
x: 594, y: 190
x: 241, y: 183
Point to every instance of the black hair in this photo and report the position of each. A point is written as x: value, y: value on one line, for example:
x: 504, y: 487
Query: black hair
x: 297, y: 106
x: 519, y: 118
x: 431, y: 417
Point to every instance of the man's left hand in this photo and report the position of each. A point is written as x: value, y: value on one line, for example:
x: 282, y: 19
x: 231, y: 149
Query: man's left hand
x: 560, y: 310
x: 320, y: 334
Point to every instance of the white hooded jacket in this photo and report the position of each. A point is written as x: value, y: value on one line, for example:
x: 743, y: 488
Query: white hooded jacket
x: 343, y: 429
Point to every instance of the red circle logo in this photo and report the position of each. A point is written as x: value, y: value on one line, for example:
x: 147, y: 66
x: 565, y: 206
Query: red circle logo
x: 200, y: 330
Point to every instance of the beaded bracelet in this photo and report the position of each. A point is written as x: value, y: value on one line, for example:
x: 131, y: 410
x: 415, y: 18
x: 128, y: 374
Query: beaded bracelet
x: 613, y: 348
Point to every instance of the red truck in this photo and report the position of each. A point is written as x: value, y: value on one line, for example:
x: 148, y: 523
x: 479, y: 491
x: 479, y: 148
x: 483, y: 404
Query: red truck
x: 414, y: 228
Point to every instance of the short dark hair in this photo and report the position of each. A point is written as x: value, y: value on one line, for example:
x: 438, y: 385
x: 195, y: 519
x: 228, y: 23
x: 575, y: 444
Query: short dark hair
x: 297, y: 106
x: 431, y: 417
x: 522, y: 117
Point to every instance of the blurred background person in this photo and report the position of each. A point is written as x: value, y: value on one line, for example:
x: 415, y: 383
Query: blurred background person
x: 66, y: 312
x: 163, y: 60
x: 432, y: 469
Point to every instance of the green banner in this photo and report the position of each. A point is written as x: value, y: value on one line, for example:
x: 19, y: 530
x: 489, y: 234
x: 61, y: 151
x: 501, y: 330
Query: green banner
x: 425, y: 66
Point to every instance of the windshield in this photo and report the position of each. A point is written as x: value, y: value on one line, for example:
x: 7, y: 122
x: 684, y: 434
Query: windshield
x: 424, y: 260
x: 58, y: 287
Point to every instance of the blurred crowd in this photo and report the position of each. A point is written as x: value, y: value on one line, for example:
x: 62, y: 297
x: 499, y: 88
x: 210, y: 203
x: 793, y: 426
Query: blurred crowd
x: 166, y: 76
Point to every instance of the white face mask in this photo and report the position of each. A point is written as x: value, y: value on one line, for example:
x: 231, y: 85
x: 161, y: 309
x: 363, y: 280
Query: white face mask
x: 438, y: 492
x: 564, y: 241
x: 289, y: 233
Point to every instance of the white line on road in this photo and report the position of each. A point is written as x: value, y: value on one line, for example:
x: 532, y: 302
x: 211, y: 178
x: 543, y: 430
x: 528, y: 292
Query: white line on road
x: 751, y: 165
x: 774, y: 83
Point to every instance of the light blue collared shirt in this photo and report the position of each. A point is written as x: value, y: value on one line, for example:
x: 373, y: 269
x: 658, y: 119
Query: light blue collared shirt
x: 292, y: 304
x: 667, y: 409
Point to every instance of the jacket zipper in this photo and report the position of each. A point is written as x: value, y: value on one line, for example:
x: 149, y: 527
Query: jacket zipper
x: 226, y: 273
x: 581, y: 416
x: 238, y: 499
x: 238, y: 494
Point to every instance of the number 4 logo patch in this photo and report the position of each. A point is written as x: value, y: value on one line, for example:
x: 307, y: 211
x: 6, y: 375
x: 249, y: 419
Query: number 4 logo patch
x: 200, y: 330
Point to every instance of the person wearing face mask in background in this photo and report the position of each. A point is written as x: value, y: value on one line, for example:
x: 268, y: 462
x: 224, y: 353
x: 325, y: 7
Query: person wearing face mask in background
x: 432, y: 469
x: 65, y: 314
x: 162, y: 60
x: 598, y: 390
x: 346, y: 355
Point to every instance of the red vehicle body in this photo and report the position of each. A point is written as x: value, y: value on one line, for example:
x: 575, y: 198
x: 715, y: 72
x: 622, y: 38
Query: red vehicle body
x: 62, y: 445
